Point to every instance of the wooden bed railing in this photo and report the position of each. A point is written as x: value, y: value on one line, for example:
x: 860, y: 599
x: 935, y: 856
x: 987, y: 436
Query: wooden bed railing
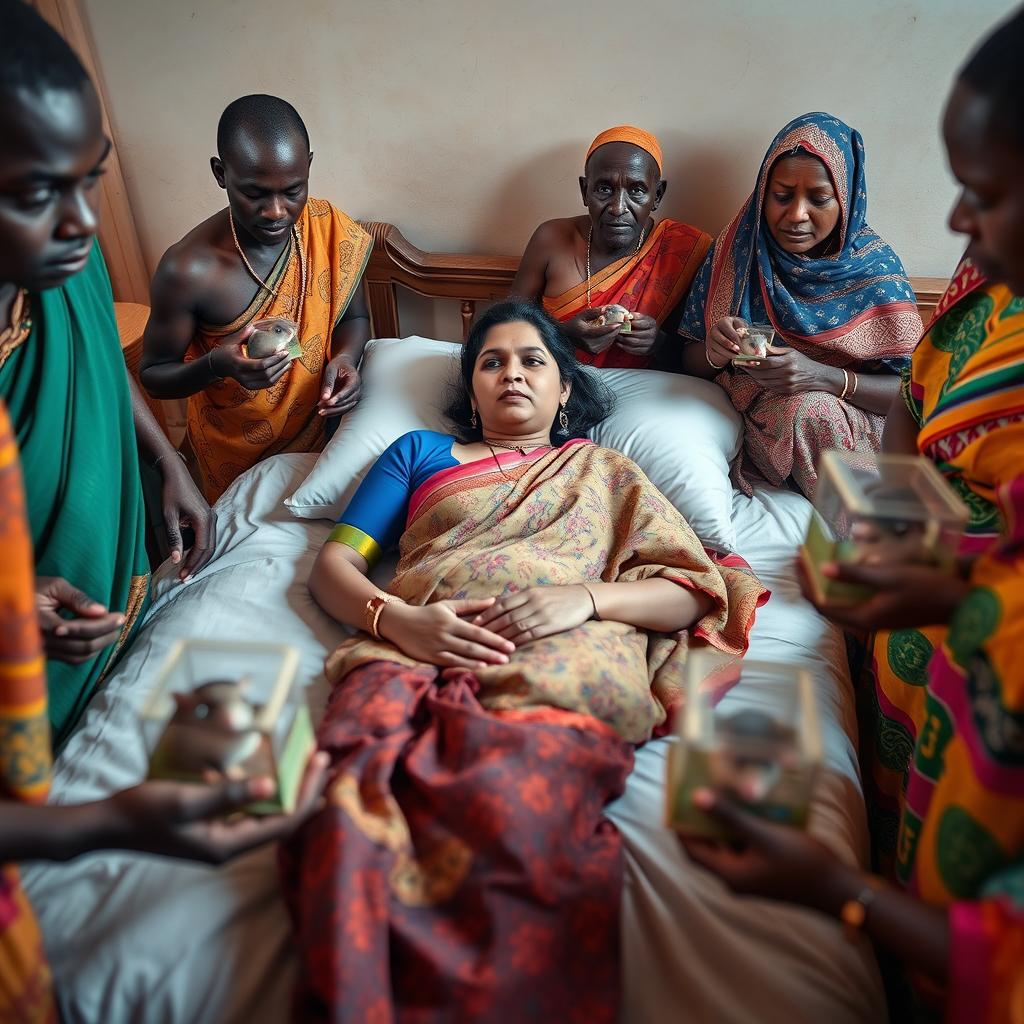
x: 471, y: 279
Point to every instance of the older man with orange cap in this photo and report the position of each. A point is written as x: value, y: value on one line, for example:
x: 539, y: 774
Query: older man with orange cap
x: 615, y: 255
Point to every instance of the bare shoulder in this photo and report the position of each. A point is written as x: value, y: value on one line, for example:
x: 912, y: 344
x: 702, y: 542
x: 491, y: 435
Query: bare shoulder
x: 189, y: 266
x: 555, y: 234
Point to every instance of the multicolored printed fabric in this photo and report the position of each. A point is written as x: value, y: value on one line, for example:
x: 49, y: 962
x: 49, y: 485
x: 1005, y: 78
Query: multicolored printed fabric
x: 651, y: 282
x: 854, y: 309
x: 231, y: 428
x: 557, y: 517
x: 462, y: 870
x: 961, y: 841
x: 25, y: 984
x: 966, y: 390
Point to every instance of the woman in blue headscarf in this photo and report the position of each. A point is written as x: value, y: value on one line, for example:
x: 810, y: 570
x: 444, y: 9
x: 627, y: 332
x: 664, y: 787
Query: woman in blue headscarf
x: 800, y: 256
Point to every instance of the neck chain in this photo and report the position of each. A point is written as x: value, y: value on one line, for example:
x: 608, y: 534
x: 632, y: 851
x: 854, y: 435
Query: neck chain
x: 259, y: 280
x: 19, y: 326
x: 521, y: 448
x: 590, y: 238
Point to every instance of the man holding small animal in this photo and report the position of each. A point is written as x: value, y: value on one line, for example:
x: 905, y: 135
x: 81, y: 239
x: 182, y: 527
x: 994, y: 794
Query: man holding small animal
x: 614, y: 277
x: 258, y: 314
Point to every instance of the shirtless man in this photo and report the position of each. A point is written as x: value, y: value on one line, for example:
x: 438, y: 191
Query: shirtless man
x: 614, y: 254
x: 272, y: 252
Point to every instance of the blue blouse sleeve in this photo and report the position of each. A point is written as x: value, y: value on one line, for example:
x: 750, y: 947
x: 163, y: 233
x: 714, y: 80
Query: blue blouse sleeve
x: 375, y: 518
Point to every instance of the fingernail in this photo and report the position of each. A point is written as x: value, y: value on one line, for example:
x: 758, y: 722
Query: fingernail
x: 829, y: 569
x: 703, y: 799
x: 262, y: 787
x: 120, y: 620
x: 186, y: 579
x: 61, y: 631
x: 321, y: 757
x: 175, y: 556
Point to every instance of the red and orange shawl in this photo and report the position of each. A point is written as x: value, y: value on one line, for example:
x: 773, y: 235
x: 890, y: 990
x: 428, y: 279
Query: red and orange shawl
x: 652, y: 282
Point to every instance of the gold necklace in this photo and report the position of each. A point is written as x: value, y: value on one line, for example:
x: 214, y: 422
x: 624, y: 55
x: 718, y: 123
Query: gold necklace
x: 19, y: 328
x: 521, y: 448
x: 590, y: 238
x: 259, y: 280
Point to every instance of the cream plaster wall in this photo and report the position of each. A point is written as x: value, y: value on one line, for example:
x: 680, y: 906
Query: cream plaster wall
x: 465, y: 121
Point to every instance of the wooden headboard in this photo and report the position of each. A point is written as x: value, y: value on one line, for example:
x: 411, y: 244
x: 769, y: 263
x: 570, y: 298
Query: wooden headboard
x: 471, y: 279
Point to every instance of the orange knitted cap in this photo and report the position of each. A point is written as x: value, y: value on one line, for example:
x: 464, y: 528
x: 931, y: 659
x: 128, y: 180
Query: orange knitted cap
x: 634, y: 136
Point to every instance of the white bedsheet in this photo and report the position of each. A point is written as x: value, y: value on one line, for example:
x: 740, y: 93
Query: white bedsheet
x: 133, y: 938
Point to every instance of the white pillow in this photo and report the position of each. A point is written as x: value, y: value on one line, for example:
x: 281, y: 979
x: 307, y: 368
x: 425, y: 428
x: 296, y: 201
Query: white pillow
x: 683, y: 432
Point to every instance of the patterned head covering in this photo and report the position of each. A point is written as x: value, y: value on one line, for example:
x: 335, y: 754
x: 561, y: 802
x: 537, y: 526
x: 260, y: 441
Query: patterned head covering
x: 748, y: 274
x: 635, y: 137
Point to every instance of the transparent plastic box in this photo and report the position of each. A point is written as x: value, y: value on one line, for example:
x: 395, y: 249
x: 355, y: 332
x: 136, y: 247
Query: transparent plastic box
x: 755, y: 340
x: 272, y: 334
x: 232, y: 709
x: 879, y: 509
x: 763, y: 749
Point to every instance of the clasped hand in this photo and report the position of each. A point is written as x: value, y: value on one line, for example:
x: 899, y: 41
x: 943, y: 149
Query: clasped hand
x: 475, y: 633
x: 596, y: 338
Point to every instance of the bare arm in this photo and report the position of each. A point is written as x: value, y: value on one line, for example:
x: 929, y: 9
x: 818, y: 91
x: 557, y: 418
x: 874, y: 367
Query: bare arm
x: 172, y: 326
x: 694, y: 361
x: 437, y: 634
x: 352, y: 331
x: 532, y: 276
x: 900, y: 434
x: 657, y: 603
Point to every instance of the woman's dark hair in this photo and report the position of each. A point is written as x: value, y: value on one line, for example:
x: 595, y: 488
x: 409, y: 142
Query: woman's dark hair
x: 590, y: 400
x: 995, y: 70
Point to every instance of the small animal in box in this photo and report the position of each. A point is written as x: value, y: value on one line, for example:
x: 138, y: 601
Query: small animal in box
x: 755, y: 340
x: 615, y: 314
x: 879, y: 510
x: 230, y: 710
x: 764, y: 755
x: 274, y: 334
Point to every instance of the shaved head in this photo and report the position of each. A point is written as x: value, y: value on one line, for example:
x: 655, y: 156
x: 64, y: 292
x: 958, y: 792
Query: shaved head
x: 995, y: 70
x: 257, y: 122
x: 33, y: 56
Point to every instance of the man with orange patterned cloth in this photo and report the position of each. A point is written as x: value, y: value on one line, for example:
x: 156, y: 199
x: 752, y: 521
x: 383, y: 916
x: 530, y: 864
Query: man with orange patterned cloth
x: 615, y: 255
x: 272, y: 253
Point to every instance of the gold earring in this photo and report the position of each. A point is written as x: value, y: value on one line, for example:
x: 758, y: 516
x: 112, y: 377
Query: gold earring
x: 473, y: 420
x: 563, y: 420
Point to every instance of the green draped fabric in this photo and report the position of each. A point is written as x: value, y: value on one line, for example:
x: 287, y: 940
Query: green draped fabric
x: 66, y: 389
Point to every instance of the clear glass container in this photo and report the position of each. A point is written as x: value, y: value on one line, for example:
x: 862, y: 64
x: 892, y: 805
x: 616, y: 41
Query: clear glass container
x: 232, y: 709
x: 755, y: 340
x: 272, y: 334
x: 879, y: 509
x: 760, y: 744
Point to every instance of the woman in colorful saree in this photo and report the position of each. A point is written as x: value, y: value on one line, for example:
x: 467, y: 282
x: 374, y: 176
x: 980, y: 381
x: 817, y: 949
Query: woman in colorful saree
x: 950, y: 736
x: 800, y: 256
x: 962, y: 403
x: 485, y: 716
x: 78, y: 419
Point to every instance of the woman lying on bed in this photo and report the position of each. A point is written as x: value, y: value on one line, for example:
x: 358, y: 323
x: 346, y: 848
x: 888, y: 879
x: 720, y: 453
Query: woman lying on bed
x: 485, y: 716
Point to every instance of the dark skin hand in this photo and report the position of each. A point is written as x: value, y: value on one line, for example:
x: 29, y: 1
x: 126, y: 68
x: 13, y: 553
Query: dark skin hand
x: 203, y: 280
x: 622, y: 187
x: 906, y: 596
x: 183, y: 505
x: 91, y: 628
x: 784, y: 864
x: 171, y: 819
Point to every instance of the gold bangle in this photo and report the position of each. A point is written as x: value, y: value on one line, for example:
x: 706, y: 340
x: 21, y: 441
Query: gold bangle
x: 374, y: 607
x: 846, y: 384
x: 714, y: 366
x: 854, y: 390
x: 854, y: 912
x: 593, y: 600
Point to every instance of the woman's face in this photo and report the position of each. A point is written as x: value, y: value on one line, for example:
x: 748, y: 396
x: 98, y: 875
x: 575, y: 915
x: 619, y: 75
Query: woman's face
x: 800, y: 205
x: 990, y: 169
x: 517, y: 388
